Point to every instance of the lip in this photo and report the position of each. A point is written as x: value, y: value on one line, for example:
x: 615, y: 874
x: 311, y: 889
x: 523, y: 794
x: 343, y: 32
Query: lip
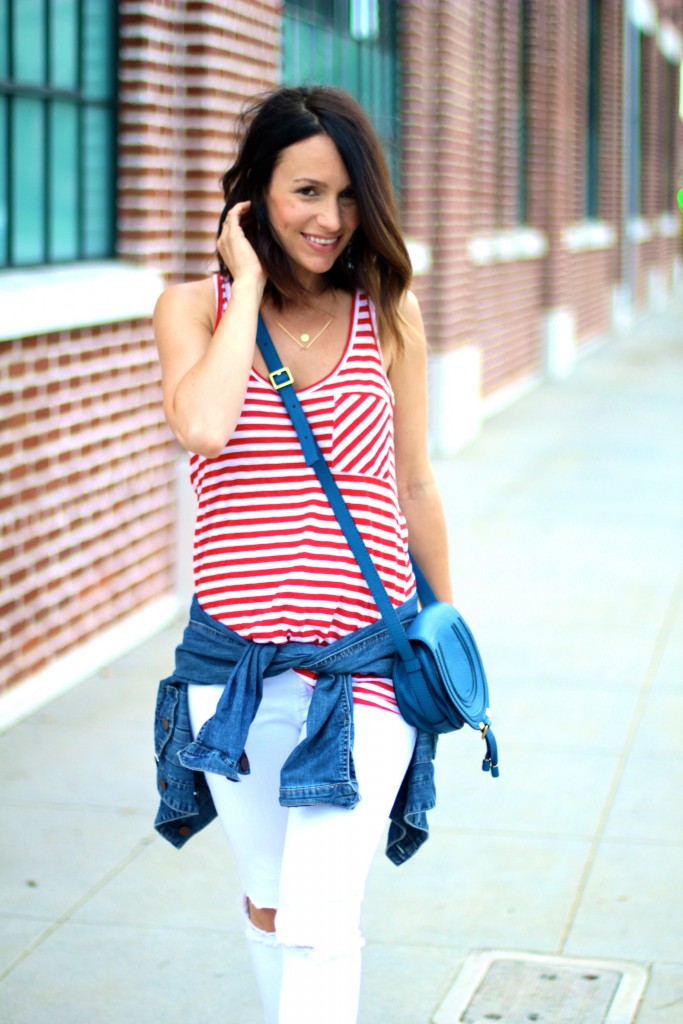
x: 329, y: 245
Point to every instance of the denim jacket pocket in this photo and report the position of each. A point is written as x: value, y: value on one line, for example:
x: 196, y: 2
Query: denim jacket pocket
x: 176, y: 785
x: 165, y: 715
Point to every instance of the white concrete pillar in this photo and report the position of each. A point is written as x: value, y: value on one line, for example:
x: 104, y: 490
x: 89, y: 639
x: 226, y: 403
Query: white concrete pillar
x: 558, y: 333
x: 455, y: 400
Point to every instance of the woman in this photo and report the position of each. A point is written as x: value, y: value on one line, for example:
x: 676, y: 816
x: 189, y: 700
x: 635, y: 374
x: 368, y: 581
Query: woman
x: 307, y: 725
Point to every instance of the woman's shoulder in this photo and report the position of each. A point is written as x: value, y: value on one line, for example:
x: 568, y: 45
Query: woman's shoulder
x: 410, y: 307
x: 410, y: 328
x: 196, y: 298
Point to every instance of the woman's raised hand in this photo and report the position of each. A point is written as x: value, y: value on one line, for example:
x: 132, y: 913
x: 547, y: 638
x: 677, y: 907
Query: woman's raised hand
x: 237, y: 252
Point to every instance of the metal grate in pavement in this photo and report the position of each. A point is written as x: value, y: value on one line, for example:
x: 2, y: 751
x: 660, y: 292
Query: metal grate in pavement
x: 524, y: 988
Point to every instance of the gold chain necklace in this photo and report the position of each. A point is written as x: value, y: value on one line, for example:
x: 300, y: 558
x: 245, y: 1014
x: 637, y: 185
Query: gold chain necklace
x: 304, y: 340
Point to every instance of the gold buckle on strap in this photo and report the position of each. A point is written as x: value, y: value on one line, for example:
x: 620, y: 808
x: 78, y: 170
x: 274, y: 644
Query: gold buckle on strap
x: 283, y: 383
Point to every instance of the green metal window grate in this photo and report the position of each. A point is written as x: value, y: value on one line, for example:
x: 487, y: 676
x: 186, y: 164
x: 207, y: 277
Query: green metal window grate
x: 523, y: 101
x: 594, y: 69
x: 670, y: 92
x: 633, y: 125
x: 350, y: 44
x: 57, y: 130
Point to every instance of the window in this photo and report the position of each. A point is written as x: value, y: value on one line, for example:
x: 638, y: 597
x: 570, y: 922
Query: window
x: 633, y: 40
x: 670, y: 91
x: 350, y: 44
x: 523, y: 112
x: 592, y: 145
x: 57, y: 125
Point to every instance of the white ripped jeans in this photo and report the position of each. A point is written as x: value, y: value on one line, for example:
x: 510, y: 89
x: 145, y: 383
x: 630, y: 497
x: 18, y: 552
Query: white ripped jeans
x: 310, y: 863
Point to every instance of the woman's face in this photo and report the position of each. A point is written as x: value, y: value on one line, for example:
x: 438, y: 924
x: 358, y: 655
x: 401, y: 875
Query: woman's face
x: 312, y: 206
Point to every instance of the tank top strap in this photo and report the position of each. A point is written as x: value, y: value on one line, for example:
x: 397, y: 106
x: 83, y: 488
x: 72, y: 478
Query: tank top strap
x: 222, y: 289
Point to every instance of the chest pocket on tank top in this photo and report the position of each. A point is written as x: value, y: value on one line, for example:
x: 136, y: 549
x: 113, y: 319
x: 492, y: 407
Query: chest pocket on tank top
x: 362, y: 439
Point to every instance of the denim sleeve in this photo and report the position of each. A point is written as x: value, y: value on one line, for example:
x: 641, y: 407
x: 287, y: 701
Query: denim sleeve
x: 409, y: 828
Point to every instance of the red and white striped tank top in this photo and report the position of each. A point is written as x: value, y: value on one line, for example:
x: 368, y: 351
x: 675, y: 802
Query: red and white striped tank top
x: 270, y: 560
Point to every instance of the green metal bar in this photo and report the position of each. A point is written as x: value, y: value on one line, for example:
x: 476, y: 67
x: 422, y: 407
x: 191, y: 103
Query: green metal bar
x: 48, y: 211
x: 9, y: 119
x: 80, y: 201
x: 113, y: 127
x: 39, y: 91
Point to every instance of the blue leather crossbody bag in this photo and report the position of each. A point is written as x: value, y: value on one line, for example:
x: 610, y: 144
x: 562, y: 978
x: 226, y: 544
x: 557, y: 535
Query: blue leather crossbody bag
x: 439, y: 678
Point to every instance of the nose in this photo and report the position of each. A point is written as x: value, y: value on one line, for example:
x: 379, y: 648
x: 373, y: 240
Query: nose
x: 329, y: 217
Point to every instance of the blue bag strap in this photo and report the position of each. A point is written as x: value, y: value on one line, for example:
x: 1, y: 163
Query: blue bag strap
x: 283, y: 382
x: 425, y: 592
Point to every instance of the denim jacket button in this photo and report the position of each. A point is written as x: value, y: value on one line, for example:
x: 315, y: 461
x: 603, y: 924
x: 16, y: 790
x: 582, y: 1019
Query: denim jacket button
x: 165, y: 722
x: 163, y: 784
x: 184, y: 830
x: 244, y: 763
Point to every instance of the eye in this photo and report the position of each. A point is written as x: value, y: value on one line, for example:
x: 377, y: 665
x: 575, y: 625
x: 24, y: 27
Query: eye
x: 307, y: 190
x: 349, y: 195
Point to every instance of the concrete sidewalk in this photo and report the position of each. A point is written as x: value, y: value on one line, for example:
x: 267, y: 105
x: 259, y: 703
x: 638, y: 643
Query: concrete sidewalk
x: 566, y: 522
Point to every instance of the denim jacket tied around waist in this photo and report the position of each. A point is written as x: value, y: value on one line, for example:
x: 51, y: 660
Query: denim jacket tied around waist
x: 320, y: 769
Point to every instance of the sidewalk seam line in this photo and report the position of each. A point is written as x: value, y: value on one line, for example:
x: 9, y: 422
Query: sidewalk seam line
x: 646, y: 689
x: 68, y: 914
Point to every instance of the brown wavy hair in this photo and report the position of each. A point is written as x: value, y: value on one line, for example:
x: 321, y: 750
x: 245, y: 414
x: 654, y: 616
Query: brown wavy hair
x: 376, y: 259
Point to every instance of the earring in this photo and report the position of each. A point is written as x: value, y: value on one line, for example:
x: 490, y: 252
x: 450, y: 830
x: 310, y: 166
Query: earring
x: 348, y: 255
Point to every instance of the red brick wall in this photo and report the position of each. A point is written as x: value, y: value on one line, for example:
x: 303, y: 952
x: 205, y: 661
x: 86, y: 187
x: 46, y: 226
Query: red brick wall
x: 460, y: 96
x: 460, y: 68
x: 187, y: 67
x: 591, y: 300
x: 454, y: 153
x: 232, y: 53
x: 419, y: 156
x: 86, y: 499
x: 507, y: 298
x: 484, y: 69
x: 151, y: 178
x: 87, y: 503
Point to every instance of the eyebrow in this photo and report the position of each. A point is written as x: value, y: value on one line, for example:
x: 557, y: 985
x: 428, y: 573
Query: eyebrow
x: 314, y: 181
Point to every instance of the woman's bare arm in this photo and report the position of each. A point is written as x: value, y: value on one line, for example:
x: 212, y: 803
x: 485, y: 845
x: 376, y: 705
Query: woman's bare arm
x: 205, y: 373
x: 417, y: 490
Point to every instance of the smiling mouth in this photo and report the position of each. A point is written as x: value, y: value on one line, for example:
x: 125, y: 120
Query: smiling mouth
x: 327, y: 243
